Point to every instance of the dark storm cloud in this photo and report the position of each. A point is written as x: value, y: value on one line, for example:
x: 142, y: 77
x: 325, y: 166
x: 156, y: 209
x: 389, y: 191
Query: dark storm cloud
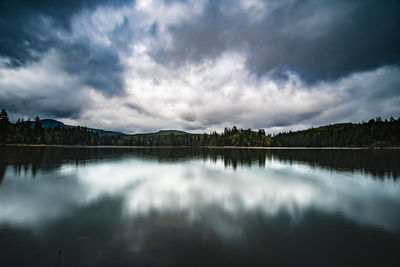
x: 18, y: 20
x: 67, y: 107
x: 96, y: 66
x: 321, y: 40
x: 28, y: 30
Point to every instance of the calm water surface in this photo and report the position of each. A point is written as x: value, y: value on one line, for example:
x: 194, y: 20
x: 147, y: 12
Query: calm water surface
x: 199, y: 207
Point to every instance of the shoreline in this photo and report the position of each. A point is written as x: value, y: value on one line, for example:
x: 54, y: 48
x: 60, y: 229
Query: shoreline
x: 209, y: 147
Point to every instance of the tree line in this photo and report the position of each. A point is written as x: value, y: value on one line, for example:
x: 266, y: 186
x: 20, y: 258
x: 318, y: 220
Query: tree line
x: 32, y: 132
x: 376, y: 133
x: 230, y: 137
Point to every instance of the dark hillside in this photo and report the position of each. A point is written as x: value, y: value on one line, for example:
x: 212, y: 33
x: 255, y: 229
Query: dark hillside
x: 374, y: 133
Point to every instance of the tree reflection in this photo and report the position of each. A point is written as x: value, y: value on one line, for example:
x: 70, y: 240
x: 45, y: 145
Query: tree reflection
x: 378, y: 163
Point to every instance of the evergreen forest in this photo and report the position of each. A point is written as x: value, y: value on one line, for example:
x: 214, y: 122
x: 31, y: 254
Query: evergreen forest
x: 374, y: 133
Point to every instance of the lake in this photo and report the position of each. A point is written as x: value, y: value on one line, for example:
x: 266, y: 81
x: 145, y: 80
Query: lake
x: 64, y: 206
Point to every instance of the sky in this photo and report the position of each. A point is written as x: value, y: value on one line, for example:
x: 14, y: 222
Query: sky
x: 198, y: 65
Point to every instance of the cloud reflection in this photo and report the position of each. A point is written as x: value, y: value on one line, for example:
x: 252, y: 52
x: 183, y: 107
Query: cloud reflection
x: 191, y: 187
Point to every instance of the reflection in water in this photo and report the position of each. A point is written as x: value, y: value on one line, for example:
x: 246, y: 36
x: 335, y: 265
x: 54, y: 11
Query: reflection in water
x: 233, y: 207
x: 378, y: 163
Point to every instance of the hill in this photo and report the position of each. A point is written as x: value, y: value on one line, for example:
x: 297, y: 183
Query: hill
x: 50, y: 123
x: 162, y: 133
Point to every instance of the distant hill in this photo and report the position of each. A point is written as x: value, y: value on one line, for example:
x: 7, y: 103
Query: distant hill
x: 163, y: 133
x: 50, y: 123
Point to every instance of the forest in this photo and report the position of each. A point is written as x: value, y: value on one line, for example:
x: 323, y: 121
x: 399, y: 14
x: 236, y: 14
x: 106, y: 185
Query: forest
x: 374, y: 133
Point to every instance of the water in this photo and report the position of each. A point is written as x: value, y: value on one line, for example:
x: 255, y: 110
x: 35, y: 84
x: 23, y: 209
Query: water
x: 198, y: 207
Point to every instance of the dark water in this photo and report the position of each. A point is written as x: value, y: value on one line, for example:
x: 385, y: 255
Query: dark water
x: 198, y: 207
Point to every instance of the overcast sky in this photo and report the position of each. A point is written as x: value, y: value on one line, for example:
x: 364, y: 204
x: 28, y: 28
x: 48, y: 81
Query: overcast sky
x: 198, y: 65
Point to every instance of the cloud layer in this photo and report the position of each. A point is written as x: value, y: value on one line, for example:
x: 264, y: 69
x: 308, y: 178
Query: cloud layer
x: 200, y: 65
